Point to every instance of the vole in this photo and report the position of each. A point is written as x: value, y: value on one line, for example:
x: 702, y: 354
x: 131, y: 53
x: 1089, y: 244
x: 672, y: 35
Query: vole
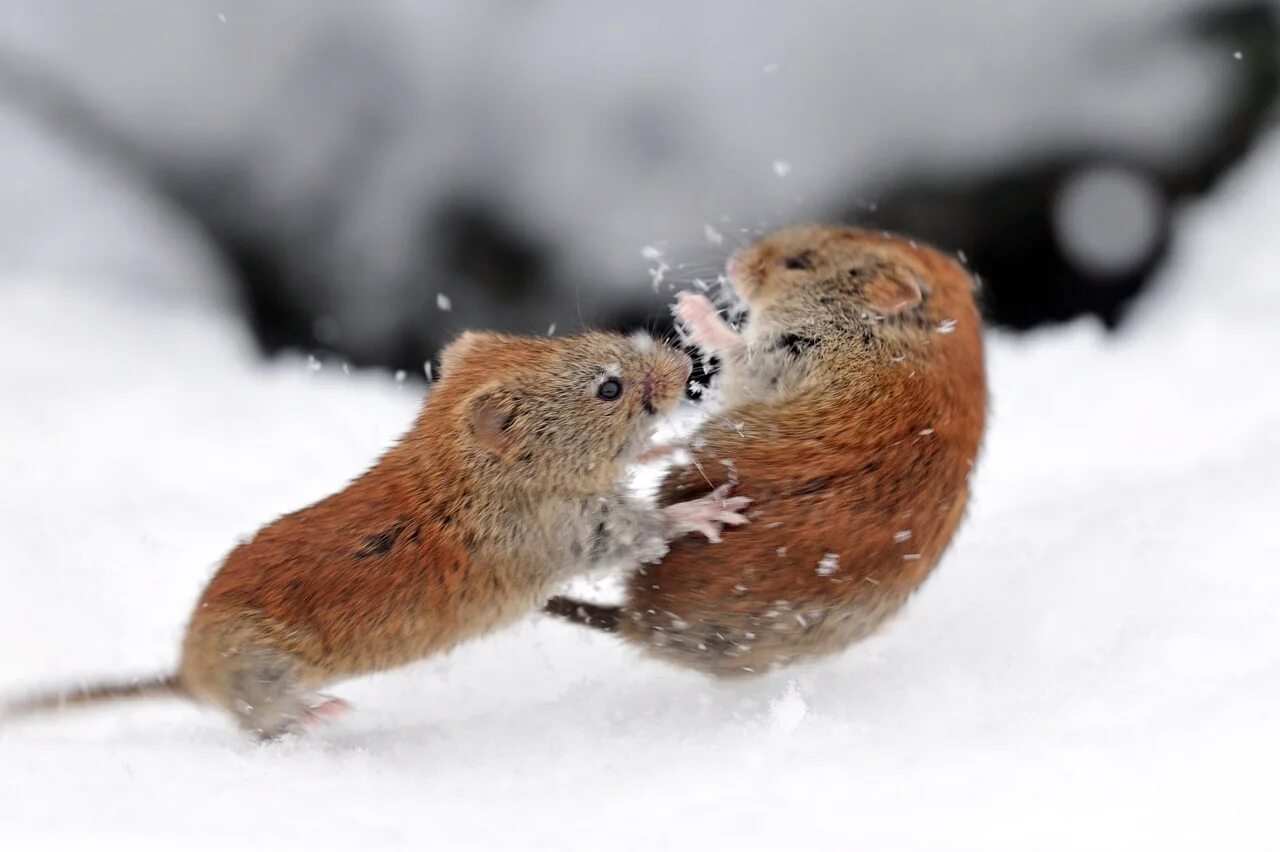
x: 510, y: 480
x: 855, y: 403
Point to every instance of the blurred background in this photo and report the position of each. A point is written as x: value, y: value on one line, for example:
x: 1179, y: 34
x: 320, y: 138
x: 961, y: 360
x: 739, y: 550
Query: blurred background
x: 366, y: 179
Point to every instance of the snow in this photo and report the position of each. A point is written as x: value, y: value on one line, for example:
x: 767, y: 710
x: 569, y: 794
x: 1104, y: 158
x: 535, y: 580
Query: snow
x: 1095, y: 665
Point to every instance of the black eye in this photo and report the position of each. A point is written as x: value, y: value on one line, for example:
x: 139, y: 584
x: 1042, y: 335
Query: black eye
x: 609, y: 389
x: 800, y: 261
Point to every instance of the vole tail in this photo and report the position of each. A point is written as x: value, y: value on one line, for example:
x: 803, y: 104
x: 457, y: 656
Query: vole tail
x: 603, y: 618
x: 96, y: 694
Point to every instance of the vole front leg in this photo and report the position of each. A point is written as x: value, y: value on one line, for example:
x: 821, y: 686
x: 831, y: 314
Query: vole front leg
x: 706, y: 514
x: 660, y: 452
x: 706, y: 328
x: 628, y: 530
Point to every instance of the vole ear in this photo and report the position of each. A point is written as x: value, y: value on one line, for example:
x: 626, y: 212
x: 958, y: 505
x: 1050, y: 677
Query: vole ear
x: 490, y: 418
x: 453, y: 354
x: 892, y: 291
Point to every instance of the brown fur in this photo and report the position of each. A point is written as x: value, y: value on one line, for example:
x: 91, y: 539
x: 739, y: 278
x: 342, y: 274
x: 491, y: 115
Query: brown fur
x: 856, y: 403
x: 509, y: 481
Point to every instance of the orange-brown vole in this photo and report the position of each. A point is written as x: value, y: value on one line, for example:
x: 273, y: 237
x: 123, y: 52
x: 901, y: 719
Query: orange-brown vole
x: 855, y: 402
x: 509, y: 481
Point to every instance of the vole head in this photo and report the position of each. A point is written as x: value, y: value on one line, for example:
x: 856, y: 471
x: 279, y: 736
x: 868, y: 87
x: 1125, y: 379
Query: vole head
x: 568, y: 412
x: 869, y: 279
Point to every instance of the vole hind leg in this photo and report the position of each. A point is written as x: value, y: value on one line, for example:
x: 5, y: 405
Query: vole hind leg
x: 268, y: 698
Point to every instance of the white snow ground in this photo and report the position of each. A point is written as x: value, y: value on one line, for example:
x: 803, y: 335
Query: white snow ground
x: 1096, y: 665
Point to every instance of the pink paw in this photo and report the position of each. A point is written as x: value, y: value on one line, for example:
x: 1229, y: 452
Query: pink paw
x: 706, y: 328
x: 328, y: 709
x: 708, y: 514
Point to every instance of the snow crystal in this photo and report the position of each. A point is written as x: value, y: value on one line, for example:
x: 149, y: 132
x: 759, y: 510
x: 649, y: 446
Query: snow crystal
x: 946, y: 326
x: 781, y: 168
x: 828, y: 565
x: 712, y: 235
x: 902, y: 535
x: 443, y: 302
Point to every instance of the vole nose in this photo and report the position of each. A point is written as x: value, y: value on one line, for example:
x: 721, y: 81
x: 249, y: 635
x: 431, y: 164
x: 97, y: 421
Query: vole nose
x: 646, y: 386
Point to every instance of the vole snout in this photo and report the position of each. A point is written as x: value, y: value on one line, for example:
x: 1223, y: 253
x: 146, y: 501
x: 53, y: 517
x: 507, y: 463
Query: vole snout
x: 663, y: 383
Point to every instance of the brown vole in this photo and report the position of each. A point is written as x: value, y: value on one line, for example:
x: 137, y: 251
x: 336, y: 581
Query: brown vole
x: 855, y: 405
x: 509, y: 481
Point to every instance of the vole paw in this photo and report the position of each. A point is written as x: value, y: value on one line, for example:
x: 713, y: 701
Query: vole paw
x: 704, y: 324
x: 327, y: 709
x: 708, y: 514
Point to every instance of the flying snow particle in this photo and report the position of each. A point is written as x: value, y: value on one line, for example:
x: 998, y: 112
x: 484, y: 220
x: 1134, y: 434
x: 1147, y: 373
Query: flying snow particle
x: 910, y: 557
x: 401, y: 375
x: 701, y: 285
x: 713, y: 236
x: 770, y: 68
x: 782, y: 551
x: 926, y: 431
x: 781, y: 168
x: 658, y: 274
x: 828, y: 565
x: 946, y: 326
x: 659, y: 271
x: 443, y: 303
x: 902, y: 535
x: 1238, y: 55
x: 426, y: 370
x: 551, y: 330
x: 222, y: 18
x: 313, y: 363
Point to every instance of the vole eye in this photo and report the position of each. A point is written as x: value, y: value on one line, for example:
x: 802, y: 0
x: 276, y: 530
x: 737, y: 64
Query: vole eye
x: 800, y: 261
x: 610, y: 389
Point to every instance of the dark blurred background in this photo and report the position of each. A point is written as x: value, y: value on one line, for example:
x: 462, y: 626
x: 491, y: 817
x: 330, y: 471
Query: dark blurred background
x: 366, y: 179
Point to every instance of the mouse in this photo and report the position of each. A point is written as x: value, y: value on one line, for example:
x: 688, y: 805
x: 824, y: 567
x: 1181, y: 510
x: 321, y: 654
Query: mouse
x: 854, y: 401
x: 510, y: 481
